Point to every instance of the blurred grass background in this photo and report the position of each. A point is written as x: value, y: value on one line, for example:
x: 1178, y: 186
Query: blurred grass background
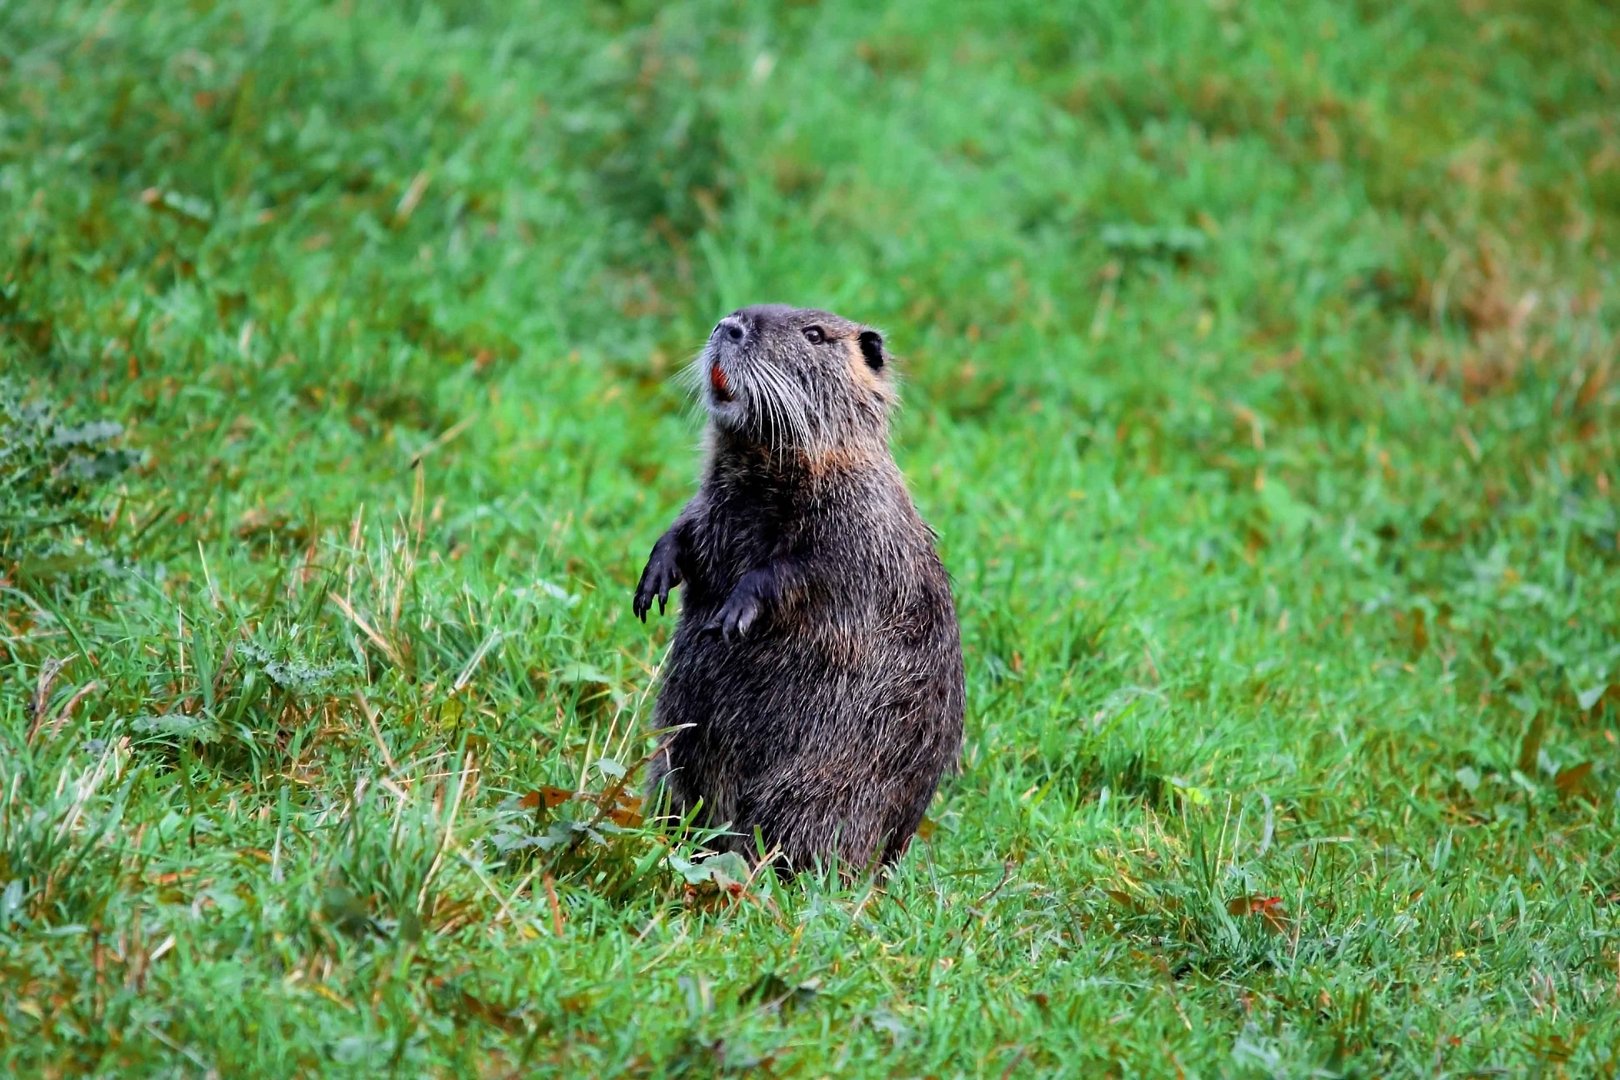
x: 1261, y: 378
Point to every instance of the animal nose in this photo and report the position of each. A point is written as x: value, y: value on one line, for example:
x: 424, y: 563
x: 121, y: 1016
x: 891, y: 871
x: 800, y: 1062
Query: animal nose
x: 732, y: 327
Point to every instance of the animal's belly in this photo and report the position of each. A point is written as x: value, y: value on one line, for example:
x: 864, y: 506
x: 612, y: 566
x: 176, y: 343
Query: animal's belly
x: 752, y: 703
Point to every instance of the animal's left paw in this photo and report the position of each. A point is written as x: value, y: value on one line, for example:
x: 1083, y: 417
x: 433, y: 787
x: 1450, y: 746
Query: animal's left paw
x: 740, y: 611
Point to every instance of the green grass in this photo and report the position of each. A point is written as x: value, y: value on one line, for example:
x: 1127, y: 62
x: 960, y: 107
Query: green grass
x: 1262, y: 381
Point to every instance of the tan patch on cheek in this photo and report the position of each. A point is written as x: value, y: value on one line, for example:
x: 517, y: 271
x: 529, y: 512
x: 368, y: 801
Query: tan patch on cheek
x: 859, y: 370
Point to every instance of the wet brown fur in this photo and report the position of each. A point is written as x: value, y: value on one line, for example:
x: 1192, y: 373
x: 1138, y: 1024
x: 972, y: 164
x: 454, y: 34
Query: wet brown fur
x: 816, y: 672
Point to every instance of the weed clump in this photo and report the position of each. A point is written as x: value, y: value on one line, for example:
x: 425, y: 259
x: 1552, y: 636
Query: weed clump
x: 55, y: 477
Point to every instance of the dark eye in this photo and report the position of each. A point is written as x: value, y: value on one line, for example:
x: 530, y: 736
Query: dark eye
x: 813, y: 335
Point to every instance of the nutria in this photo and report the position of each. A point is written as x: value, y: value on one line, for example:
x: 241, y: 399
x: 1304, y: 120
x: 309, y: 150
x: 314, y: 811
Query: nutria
x: 815, y: 678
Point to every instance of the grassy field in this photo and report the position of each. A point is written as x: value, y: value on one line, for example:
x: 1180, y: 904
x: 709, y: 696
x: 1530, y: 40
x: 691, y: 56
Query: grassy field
x: 1262, y: 381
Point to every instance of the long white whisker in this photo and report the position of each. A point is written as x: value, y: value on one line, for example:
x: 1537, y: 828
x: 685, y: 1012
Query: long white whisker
x: 779, y: 411
x: 689, y: 379
x: 784, y: 407
x: 794, y: 406
x: 763, y: 394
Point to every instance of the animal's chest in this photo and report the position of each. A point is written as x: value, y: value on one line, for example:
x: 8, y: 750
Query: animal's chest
x: 735, y: 535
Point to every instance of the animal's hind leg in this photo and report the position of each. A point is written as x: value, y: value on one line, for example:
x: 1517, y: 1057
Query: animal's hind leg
x: 904, y: 826
x: 807, y: 828
x: 665, y: 794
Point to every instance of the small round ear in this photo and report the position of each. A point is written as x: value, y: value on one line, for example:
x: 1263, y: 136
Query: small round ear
x: 872, y: 349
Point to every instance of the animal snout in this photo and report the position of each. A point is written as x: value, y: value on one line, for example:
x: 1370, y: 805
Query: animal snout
x: 732, y: 328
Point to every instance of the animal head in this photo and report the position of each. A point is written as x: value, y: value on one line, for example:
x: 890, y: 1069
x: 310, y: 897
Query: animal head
x: 797, y: 379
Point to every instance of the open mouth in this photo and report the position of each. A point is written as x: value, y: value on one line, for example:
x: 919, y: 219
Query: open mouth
x: 719, y: 384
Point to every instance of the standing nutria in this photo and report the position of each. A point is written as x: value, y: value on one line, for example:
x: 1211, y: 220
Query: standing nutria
x: 817, y: 666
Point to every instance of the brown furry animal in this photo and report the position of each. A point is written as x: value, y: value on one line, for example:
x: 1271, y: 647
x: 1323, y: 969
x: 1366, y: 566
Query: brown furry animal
x: 817, y: 663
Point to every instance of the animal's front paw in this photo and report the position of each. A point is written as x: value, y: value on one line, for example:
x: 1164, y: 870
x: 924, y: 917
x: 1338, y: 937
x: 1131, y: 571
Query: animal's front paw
x: 740, y: 611
x: 662, y: 574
